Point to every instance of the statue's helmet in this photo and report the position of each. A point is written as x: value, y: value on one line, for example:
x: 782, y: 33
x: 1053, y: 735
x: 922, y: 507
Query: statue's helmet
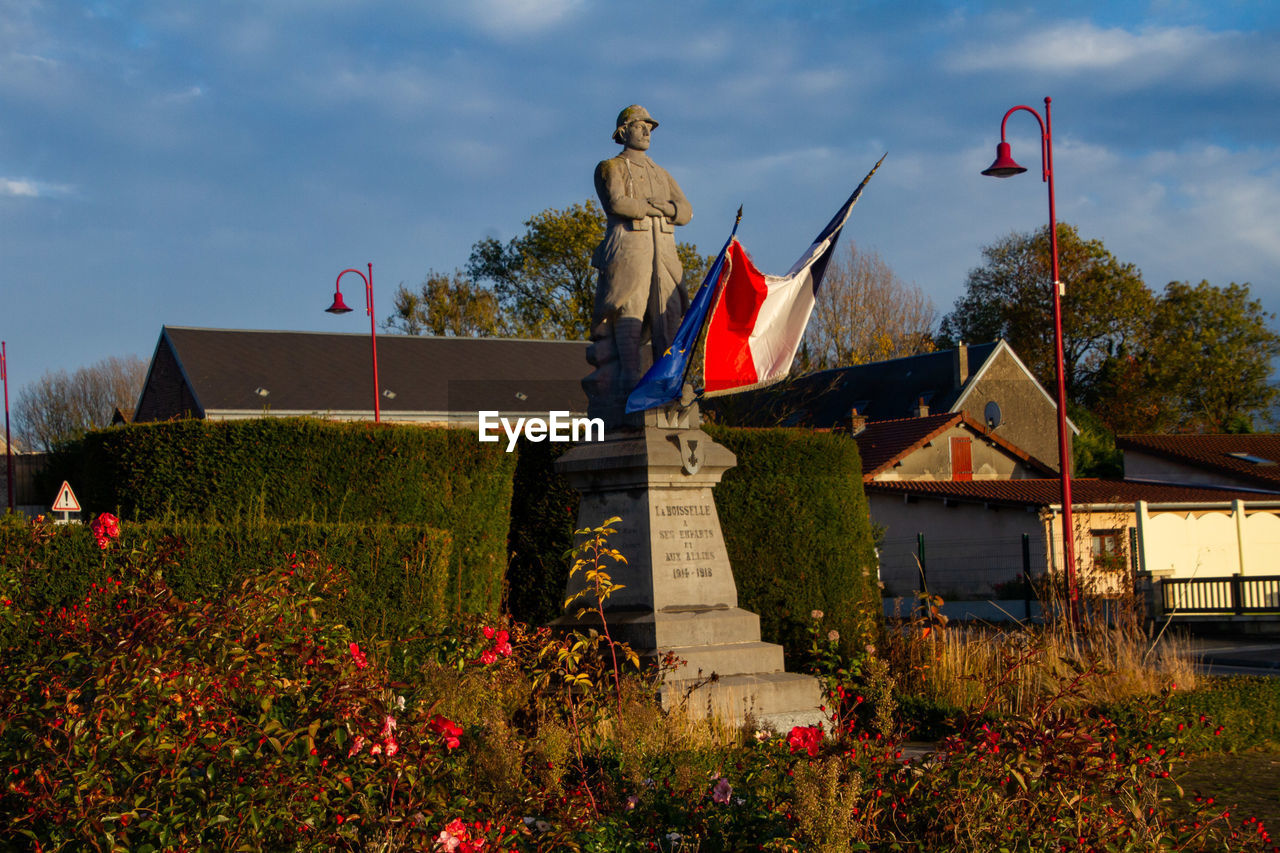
x: 635, y: 112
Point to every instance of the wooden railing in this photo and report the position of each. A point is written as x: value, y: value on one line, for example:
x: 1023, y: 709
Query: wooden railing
x: 1236, y: 595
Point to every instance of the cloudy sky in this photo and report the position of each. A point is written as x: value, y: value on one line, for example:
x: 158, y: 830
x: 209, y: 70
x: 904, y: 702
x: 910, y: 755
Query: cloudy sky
x: 218, y: 163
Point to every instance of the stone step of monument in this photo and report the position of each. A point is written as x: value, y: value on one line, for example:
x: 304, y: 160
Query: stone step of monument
x: 777, y: 700
x: 676, y: 628
x: 727, y: 659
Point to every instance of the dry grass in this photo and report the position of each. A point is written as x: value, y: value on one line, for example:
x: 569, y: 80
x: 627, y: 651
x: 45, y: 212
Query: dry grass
x: 1006, y: 671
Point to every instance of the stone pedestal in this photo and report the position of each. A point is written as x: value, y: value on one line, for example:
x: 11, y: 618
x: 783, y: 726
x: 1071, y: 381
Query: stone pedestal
x: 680, y: 595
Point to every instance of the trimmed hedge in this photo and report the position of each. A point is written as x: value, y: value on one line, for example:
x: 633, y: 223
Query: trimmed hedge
x: 798, y: 530
x: 306, y: 469
x: 400, y: 574
x: 795, y: 522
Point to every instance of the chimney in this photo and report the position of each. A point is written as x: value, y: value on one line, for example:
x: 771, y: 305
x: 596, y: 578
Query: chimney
x: 960, y: 360
x: 922, y: 408
x: 857, y: 423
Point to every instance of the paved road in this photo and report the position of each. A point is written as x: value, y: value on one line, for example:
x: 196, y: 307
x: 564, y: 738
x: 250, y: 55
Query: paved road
x: 1241, y: 656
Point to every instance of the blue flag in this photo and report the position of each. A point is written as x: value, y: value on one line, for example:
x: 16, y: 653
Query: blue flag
x: 662, y: 382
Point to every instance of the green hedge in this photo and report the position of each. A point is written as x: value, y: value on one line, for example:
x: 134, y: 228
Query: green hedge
x: 296, y: 469
x: 798, y: 530
x: 544, y: 513
x: 400, y: 574
x: 795, y: 522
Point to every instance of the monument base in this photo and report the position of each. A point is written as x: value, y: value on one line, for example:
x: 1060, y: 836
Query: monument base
x: 679, y: 596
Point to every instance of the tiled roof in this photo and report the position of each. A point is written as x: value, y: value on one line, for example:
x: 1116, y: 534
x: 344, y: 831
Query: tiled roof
x: 1046, y: 492
x: 1215, y: 453
x: 881, y: 443
x: 228, y: 370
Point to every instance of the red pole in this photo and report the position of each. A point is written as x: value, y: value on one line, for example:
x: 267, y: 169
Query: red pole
x: 373, y: 338
x: 1064, y: 450
x: 8, y: 443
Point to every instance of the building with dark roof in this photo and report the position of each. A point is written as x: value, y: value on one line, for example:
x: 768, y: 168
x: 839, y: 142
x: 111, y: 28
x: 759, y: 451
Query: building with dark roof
x: 226, y: 373
x: 988, y: 382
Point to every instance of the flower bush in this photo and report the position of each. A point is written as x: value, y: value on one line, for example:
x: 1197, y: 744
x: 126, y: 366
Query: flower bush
x: 134, y: 719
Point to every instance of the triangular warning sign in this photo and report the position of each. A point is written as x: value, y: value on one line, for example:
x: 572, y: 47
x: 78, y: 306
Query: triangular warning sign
x: 66, y: 499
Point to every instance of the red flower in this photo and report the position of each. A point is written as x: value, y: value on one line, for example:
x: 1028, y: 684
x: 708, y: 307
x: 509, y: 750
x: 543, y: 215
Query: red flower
x: 502, y: 644
x: 488, y: 632
x: 358, y: 656
x: 807, y: 738
x: 488, y: 656
x: 450, y: 731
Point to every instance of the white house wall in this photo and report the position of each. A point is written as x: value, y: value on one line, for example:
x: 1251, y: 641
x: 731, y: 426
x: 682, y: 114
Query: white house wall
x: 1202, y: 544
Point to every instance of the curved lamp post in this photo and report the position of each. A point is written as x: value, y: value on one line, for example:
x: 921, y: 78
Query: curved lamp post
x: 340, y: 307
x: 1005, y: 167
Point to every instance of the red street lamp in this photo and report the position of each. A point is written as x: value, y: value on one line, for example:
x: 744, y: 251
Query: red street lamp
x: 8, y: 444
x: 340, y: 307
x: 1005, y: 167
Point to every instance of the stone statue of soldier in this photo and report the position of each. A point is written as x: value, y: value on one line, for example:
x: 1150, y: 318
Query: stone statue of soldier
x: 640, y: 296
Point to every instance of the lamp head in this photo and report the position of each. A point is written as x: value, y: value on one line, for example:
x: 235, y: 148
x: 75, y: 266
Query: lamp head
x: 1004, y: 165
x: 338, y: 306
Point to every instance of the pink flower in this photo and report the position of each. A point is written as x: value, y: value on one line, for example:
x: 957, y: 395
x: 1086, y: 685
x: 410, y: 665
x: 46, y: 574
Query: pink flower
x: 392, y: 746
x: 447, y: 841
x: 722, y: 791
x: 502, y: 644
x: 388, y: 725
x: 488, y: 656
x: 356, y: 746
x: 105, y: 528
x: 358, y: 656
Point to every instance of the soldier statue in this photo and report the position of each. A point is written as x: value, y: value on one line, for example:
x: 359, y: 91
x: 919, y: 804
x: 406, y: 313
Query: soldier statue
x: 640, y: 296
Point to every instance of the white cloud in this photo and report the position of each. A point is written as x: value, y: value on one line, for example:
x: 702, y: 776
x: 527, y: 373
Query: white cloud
x: 26, y: 188
x: 506, y: 19
x: 1128, y: 58
x: 9, y: 186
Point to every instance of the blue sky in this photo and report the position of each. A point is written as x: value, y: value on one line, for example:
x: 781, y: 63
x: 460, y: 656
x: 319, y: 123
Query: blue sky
x: 218, y: 163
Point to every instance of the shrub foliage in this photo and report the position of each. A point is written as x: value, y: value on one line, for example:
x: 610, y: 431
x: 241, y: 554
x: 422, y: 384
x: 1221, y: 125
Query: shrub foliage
x: 798, y: 530
x: 400, y: 575
x: 294, y: 469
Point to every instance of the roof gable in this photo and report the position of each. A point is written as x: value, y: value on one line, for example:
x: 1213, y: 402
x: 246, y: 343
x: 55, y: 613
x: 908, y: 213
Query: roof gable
x: 884, y: 443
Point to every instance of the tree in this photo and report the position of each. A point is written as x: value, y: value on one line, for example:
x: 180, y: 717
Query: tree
x: 544, y: 280
x: 1105, y: 306
x: 865, y: 312
x: 445, y: 305
x: 60, y: 407
x: 1210, y: 354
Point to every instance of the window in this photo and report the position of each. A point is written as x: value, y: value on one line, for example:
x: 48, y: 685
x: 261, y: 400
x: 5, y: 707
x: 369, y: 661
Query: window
x: 1108, y: 549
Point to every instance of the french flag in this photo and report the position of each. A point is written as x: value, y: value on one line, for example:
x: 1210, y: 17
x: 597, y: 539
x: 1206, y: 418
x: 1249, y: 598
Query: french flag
x: 758, y: 320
